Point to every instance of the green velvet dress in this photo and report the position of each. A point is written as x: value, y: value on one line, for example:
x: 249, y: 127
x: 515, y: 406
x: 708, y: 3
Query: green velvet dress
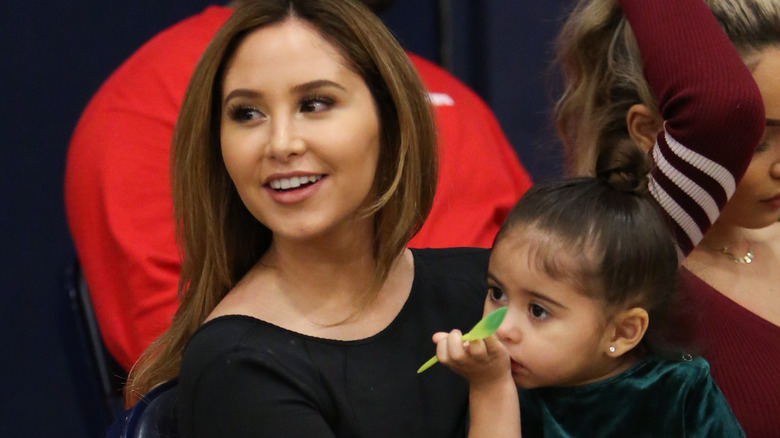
x: 654, y: 398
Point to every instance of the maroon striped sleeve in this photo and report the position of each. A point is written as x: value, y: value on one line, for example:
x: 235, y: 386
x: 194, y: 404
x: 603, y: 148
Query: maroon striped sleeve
x: 713, y: 112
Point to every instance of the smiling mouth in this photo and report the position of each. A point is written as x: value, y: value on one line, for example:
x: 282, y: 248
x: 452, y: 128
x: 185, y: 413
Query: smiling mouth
x: 295, y: 182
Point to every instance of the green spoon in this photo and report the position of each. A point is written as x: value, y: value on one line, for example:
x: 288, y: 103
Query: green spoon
x: 484, y: 328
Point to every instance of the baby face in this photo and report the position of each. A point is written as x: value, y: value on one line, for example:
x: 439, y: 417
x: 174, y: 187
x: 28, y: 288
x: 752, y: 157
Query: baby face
x: 555, y: 335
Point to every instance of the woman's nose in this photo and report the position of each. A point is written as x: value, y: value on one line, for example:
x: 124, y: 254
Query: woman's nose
x: 284, y: 144
x: 774, y: 171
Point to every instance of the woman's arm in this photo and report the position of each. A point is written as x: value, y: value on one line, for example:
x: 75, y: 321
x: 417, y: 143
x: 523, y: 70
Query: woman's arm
x: 713, y: 112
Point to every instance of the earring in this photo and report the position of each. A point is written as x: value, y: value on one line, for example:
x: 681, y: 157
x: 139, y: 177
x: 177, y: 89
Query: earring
x: 611, y: 348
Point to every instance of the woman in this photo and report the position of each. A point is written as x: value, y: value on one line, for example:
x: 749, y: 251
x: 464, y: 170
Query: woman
x: 731, y: 278
x: 304, y: 160
x: 734, y: 315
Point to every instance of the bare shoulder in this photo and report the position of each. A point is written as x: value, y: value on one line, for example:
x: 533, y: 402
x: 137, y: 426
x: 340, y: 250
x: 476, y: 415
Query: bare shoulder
x: 243, y: 299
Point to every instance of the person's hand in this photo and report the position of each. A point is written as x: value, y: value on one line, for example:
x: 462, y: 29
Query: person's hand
x: 480, y: 361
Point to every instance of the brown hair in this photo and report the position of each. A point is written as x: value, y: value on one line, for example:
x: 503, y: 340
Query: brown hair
x: 601, y: 69
x: 605, y: 236
x: 220, y: 240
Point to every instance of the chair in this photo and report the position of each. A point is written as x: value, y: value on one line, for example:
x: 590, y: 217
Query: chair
x: 154, y: 416
x: 106, y: 372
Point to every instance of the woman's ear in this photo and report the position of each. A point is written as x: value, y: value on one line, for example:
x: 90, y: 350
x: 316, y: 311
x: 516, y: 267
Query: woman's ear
x: 643, y: 126
x: 627, y: 330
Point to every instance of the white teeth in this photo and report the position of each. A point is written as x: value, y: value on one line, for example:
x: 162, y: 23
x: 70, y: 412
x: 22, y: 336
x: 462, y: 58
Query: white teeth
x: 293, y: 182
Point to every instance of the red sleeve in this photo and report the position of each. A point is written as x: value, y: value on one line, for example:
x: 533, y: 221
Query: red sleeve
x: 712, y: 107
x: 117, y: 189
x: 480, y: 176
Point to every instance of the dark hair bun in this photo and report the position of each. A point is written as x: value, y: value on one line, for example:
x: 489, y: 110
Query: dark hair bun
x: 625, y: 167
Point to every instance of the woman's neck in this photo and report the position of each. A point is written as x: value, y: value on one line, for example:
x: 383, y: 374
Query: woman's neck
x: 724, y: 235
x: 332, y: 294
x: 754, y: 285
x: 323, y: 286
x: 325, y: 266
x: 336, y: 267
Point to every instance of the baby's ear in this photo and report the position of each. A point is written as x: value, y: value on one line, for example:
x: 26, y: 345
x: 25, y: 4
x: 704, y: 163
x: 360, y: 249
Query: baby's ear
x: 627, y: 330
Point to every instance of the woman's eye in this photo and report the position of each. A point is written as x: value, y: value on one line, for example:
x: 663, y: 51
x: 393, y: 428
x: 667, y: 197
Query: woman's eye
x: 537, y: 311
x: 316, y: 104
x: 242, y: 113
x: 497, y: 295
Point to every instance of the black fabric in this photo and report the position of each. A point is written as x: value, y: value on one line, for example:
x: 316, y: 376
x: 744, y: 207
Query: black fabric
x: 243, y: 377
x: 154, y: 416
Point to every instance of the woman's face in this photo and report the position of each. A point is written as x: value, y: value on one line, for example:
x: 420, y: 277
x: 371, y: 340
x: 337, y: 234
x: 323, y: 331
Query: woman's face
x: 300, y: 133
x: 756, y: 201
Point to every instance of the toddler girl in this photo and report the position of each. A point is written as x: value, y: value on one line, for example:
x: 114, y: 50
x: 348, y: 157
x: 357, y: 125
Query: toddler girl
x: 584, y: 265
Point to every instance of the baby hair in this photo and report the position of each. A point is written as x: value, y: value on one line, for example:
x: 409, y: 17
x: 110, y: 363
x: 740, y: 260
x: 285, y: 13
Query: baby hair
x: 605, y: 236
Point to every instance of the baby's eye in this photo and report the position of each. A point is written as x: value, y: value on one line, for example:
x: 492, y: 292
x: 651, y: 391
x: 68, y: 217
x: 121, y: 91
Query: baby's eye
x: 316, y: 104
x: 496, y: 295
x: 537, y: 311
x: 241, y: 113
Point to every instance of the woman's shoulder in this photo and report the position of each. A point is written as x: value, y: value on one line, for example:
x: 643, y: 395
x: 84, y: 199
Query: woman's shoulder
x: 244, y: 342
x: 449, y: 284
x: 451, y: 266
x: 444, y: 260
x: 226, y: 334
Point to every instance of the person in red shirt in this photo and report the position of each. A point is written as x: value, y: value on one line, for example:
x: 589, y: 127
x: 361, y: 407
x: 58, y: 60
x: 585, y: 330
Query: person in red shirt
x: 117, y: 189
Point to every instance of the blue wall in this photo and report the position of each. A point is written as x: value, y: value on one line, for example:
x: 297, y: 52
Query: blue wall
x: 56, y: 54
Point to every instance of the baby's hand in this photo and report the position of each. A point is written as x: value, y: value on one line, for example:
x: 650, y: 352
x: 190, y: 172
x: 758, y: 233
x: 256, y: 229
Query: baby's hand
x: 479, y: 361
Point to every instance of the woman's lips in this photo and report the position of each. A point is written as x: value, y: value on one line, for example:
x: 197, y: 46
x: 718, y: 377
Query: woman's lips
x: 774, y: 203
x: 293, y: 195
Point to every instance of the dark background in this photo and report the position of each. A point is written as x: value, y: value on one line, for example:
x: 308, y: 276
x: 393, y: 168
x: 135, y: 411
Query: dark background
x: 55, y: 56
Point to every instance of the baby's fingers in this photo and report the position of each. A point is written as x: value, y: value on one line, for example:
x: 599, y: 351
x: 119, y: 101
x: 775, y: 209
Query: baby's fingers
x: 493, y: 345
x: 445, y: 343
x: 438, y: 336
x: 477, y: 349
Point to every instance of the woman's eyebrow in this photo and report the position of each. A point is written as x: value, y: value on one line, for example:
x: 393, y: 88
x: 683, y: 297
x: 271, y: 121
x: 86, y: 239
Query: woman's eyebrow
x: 772, y: 122
x: 313, y: 85
x: 241, y: 92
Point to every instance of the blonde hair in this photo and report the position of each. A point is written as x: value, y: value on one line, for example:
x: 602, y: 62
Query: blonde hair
x: 219, y: 239
x: 601, y: 69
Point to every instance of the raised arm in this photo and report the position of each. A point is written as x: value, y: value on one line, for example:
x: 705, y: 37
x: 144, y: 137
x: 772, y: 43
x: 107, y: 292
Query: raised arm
x: 713, y: 112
